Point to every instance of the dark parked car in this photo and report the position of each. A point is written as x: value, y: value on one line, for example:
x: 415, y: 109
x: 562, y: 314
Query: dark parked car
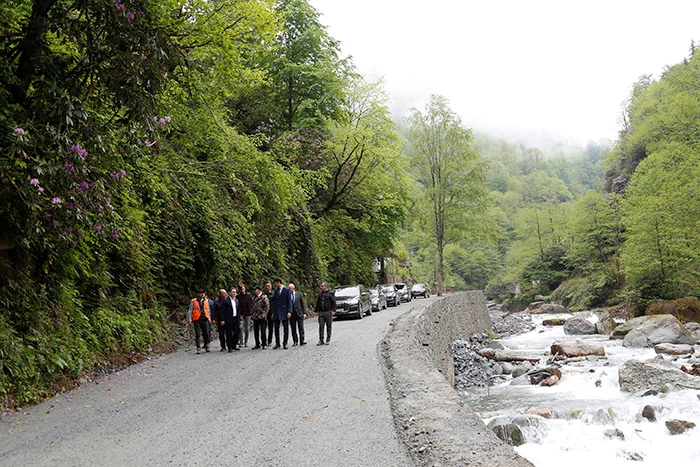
x: 378, y: 299
x: 353, y: 300
x: 391, y: 294
x: 404, y: 291
x: 420, y: 290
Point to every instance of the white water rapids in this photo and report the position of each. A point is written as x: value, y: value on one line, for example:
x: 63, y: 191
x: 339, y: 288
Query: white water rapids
x: 587, y: 402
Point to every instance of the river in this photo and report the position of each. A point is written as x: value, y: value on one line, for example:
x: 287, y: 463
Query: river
x: 586, y: 403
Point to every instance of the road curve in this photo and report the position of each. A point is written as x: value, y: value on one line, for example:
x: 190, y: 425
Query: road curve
x: 306, y: 406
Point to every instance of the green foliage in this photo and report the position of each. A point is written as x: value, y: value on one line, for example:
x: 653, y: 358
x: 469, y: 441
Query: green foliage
x: 661, y: 216
x: 545, y: 273
x: 451, y: 176
x: 151, y: 148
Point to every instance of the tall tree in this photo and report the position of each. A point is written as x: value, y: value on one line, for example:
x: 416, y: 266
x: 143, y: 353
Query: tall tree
x: 451, y: 175
x: 308, y: 76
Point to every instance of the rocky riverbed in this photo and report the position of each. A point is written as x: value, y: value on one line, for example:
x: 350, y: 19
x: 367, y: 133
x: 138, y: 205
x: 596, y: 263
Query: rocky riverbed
x: 472, y: 368
x: 588, y: 394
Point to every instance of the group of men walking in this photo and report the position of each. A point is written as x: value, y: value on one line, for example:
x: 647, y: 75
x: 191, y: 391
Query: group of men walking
x: 268, y: 309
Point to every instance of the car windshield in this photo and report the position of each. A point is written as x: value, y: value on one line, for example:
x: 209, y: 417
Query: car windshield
x: 347, y: 292
x: 388, y: 288
x: 374, y: 292
x: 418, y: 287
x: 399, y: 286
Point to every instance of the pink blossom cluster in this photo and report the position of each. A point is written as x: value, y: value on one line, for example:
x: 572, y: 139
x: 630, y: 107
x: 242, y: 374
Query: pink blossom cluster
x: 82, y: 187
x: 162, y: 120
x: 79, y: 151
x: 118, y: 175
x: 19, y: 131
x: 35, y: 182
x: 119, y: 5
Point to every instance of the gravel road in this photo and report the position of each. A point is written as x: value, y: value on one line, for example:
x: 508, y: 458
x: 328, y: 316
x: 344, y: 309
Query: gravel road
x: 306, y: 406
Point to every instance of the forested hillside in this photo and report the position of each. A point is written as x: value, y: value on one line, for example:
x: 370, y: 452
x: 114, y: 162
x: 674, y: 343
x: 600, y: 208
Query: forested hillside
x: 150, y: 147
x: 604, y: 225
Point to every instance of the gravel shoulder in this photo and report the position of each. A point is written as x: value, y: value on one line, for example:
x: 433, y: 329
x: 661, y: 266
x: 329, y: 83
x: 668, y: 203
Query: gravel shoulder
x: 306, y: 406
x: 434, y: 422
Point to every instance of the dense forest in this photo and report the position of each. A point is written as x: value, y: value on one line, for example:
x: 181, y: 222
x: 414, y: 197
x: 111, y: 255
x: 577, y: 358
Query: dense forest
x: 149, y: 148
x: 609, y: 224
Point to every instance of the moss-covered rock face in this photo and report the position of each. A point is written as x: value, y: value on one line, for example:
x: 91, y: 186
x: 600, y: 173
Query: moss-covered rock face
x: 685, y: 309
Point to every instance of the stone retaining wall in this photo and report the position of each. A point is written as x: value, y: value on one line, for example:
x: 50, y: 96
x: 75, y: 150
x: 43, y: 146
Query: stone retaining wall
x: 457, y: 316
x: 432, y: 420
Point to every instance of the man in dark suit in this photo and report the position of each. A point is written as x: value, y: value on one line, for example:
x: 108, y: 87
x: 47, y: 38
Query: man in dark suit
x: 296, y: 321
x: 217, y: 316
x: 281, y: 311
x: 228, y: 317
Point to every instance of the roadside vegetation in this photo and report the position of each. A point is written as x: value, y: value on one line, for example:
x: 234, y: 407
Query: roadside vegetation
x: 149, y: 148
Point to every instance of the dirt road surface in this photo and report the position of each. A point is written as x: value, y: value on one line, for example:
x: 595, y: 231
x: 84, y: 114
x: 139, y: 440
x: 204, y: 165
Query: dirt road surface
x: 305, y: 406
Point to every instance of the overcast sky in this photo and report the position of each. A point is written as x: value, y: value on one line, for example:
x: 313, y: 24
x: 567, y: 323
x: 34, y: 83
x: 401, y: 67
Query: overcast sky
x: 559, y: 67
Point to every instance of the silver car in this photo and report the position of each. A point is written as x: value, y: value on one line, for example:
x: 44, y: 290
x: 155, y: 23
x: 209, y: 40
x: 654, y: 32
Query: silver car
x: 404, y: 291
x: 378, y: 298
x: 391, y: 294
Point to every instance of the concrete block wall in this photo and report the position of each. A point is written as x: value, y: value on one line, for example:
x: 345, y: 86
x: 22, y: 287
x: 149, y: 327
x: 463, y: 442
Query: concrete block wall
x: 456, y: 316
x: 436, y: 425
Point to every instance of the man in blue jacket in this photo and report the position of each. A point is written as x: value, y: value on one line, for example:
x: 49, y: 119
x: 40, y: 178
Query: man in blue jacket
x: 281, y: 311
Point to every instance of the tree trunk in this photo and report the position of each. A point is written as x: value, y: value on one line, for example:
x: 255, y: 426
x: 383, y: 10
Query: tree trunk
x: 441, y: 267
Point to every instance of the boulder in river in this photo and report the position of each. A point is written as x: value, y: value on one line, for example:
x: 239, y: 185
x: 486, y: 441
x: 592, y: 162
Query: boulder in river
x: 606, y: 323
x: 614, y: 433
x: 549, y: 308
x: 548, y: 376
x: 677, y: 427
x: 544, y: 413
x: 652, y: 330
x: 509, y: 433
x: 579, y: 326
x: 507, y: 368
x: 577, y: 349
x: 554, y: 322
x: 674, y: 349
x: 649, y: 412
x: 685, y: 309
x: 531, y: 428
x: 659, y: 375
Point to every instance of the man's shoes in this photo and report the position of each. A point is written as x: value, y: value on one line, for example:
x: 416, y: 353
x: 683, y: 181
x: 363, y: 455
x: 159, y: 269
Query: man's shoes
x: 229, y: 350
x: 294, y: 344
x: 256, y: 347
x: 328, y: 342
x: 223, y: 348
x: 320, y: 343
x: 236, y: 349
x: 285, y: 347
x: 206, y: 348
x: 302, y: 343
x: 276, y: 347
x: 198, y: 352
